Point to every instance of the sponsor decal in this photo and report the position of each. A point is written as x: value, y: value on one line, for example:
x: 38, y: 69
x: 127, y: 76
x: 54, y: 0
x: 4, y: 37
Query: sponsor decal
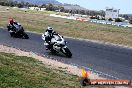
x: 85, y: 80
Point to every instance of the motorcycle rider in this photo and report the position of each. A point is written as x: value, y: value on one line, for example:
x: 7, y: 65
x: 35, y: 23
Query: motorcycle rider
x: 11, y: 25
x: 47, y: 36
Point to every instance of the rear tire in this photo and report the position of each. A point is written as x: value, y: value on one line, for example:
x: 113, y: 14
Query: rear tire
x: 67, y: 52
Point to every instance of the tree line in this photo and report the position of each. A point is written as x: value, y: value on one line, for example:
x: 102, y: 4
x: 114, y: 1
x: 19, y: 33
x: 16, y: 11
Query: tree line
x: 12, y: 3
x: 50, y: 7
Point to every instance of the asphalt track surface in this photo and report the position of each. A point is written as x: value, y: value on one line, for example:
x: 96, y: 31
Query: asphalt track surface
x: 106, y: 60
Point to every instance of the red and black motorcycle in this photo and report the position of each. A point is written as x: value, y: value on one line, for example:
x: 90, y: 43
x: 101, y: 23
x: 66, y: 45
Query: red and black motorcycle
x: 17, y: 31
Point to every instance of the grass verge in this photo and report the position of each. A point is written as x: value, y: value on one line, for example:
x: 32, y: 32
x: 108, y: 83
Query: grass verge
x: 27, y: 72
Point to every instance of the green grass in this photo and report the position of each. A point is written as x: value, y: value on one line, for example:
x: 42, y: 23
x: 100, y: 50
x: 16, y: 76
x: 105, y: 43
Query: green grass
x: 27, y: 72
x: 38, y: 21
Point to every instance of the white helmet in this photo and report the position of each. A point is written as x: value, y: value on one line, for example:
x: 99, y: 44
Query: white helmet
x: 50, y: 29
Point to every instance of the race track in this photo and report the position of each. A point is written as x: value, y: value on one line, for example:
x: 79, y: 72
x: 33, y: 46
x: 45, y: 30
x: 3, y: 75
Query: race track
x: 104, y: 59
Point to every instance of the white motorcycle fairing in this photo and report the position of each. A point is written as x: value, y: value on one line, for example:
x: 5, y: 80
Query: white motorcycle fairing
x: 58, y: 44
x: 58, y: 41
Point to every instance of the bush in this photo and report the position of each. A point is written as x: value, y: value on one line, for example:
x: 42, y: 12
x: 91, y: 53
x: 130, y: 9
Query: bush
x: 103, y: 19
x: 110, y: 19
x: 118, y: 20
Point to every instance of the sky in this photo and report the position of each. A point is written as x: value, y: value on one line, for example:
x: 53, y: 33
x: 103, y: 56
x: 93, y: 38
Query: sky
x: 125, y: 6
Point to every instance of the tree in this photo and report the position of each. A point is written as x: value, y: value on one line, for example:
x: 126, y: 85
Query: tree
x: 10, y: 3
x: 103, y: 18
x: 15, y: 3
x: 110, y: 19
x: 19, y: 5
x: 50, y: 7
x: 62, y: 9
x: 43, y: 6
x: 27, y: 4
x: 118, y: 20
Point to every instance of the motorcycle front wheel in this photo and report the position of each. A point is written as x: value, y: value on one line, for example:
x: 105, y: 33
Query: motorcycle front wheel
x: 67, y: 52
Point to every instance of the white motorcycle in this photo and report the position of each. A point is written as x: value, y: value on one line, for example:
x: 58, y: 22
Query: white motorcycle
x: 58, y: 44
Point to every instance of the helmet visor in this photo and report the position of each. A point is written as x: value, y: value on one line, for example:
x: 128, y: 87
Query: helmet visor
x: 50, y: 31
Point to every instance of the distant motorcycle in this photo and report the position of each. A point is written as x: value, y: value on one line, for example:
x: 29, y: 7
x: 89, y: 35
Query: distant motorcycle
x: 58, y: 44
x: 17, y: 31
